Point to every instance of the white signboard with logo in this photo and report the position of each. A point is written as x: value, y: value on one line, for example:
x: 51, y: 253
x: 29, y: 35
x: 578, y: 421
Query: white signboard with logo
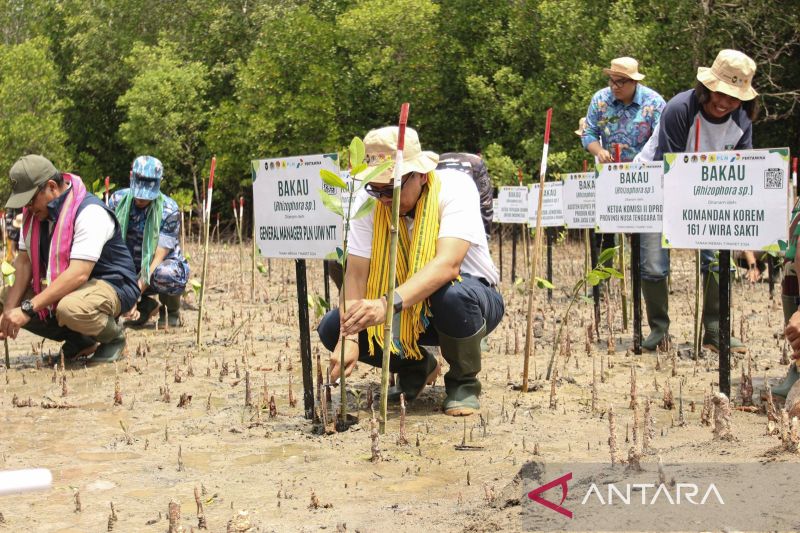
x: 733, y: 200
x: 578, y: 197
x: 291, y: 220
x: 552, y: 204
x: 512, y: 205
x: 629, y: 197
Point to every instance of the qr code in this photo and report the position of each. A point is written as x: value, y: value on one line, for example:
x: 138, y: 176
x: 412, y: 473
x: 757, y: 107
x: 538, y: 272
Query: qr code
x: 773, y: 178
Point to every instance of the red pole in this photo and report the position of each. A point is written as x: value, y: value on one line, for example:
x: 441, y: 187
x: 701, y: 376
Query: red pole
x: 617, y: 153
x: 697, y: 135
x: 585, y: 165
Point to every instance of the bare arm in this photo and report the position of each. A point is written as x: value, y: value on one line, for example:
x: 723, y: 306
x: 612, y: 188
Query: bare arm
x: 76, y: 274
x: 22, y: 280
x: 602, y: 155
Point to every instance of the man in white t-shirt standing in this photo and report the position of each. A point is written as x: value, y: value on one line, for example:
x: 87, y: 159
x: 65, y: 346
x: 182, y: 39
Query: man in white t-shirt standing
x: 446, y: 291
x: 74, y: 274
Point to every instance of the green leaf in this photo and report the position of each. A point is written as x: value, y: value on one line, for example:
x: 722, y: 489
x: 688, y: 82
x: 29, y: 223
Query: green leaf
x: 365, y: 209
x: 592, y: 278
x: 332, y: 203
x: 357, y: 152
x: 262, y: 268
x: 196, y: 286
x: 377, y: 171
x: 332, y: 256
x: 607, y: 254
x: 359, y: 168
x: 612, y: 272
x: 543, y: 283
x: 332, y: 179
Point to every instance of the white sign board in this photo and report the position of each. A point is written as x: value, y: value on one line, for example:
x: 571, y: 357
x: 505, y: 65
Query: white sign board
x: 512, y: 205
x: 579, y: 200
x: 629, y: 197
x: 495, y: 210
x: 726, y: 200
x: 552, y: 204
x: 291, y: 221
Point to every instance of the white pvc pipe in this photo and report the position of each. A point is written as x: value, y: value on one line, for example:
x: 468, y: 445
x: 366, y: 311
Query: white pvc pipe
x: 16, y: 481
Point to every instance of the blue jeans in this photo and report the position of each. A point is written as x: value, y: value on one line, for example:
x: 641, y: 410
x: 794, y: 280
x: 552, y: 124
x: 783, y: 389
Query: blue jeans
x: 654, y: 260
x: 459, y: 310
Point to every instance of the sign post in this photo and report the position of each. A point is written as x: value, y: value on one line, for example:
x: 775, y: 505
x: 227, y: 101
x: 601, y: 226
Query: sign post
x: 726, y: 201
x: 552, y: 216
x: 630, y: 200
x: 292, y: 223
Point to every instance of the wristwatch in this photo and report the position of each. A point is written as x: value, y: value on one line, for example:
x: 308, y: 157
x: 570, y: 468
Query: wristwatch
x: 27, y: 308
x: 398, y: 302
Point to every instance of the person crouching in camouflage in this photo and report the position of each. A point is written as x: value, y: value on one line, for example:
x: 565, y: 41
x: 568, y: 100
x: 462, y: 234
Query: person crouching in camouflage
x: 151, y: 225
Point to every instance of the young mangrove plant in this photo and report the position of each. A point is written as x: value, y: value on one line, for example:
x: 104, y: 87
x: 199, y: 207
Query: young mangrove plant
x: 591, y: 279
x: 334, y: 203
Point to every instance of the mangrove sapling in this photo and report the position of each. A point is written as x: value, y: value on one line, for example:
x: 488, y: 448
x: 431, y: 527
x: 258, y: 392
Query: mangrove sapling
x: 592, y: 279
x: 357, y: 154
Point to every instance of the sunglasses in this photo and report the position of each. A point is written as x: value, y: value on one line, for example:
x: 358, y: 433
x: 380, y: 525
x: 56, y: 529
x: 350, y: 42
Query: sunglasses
x: 618, y: 83
x: 385, y: 192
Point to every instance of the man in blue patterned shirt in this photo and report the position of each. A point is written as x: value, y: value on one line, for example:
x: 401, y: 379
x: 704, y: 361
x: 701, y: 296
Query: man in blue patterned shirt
x: 151, y: 225
x: 626, y: 113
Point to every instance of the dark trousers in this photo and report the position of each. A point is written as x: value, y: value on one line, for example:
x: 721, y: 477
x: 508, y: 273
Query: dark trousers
x: 458, y: 308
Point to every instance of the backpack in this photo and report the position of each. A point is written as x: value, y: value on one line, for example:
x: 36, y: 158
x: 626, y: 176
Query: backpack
x: 474, y: 167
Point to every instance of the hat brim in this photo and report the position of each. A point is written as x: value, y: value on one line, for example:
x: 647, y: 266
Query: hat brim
x: 20, y: 199
x: 145, y: 189
x: 635, y: 77
x: 707, y: 77
x: 579, y: 133
x: 423, y: 163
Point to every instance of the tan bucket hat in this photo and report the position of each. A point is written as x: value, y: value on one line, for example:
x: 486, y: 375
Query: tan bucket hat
x: 731, y: 74
x: 381, y: 145
x: 624, y: 66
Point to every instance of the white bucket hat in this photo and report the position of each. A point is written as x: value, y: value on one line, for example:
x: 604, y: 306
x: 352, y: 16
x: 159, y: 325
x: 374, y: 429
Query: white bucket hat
x: 731, y: 74
x: 381, y: 145
x: 627, y: 67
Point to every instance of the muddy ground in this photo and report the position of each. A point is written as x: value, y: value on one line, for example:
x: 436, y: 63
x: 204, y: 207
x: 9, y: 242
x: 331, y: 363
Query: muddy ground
x: 240, y: 459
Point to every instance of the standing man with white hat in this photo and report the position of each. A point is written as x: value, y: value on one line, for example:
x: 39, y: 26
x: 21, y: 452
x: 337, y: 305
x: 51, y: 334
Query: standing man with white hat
x: 626, y: 113
x: 724, y: 102
x: 446, y: 281
x: 151, y: 227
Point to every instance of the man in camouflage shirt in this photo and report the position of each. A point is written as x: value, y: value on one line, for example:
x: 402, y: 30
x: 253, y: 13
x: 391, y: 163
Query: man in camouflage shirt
x: 151, y: 228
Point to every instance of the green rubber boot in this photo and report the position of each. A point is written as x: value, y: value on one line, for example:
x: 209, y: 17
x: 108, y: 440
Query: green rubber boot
x: 147, y: 307
x: 112, y: 342
x: 461, y: 383
x: 711, y: 318
x: 170, y: 311
x: 411, y: 381
x: 656, y: 300
x: 791, y: 378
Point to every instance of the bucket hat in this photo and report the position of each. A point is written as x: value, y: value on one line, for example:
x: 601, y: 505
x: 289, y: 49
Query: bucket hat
x: 731, y: 73
x: 626, y: 67
x: 381, y: 145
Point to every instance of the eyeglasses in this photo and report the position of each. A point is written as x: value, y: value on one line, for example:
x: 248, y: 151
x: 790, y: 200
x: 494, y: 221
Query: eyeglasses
x: 39, y: 189
x: 385, y: 192
x: 619, y: 83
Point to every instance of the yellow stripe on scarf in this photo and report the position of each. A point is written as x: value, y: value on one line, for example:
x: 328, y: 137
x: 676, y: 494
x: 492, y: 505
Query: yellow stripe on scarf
x: 412, y: 255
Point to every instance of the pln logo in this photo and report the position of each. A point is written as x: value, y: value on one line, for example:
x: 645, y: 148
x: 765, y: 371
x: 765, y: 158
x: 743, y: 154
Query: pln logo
x: 536, y: 494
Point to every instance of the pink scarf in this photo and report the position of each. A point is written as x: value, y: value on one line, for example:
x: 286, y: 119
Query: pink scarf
x: 61, y: 241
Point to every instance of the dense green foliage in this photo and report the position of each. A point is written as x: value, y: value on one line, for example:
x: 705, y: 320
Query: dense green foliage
x: 92, y: 83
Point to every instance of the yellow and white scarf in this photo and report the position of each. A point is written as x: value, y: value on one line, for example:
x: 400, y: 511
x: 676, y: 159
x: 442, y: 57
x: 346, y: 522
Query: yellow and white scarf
x: 412, y: 254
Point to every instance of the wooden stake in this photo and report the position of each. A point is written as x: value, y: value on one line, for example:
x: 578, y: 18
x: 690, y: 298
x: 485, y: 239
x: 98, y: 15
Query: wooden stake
x: 537, y: 247
x: 207, y: 225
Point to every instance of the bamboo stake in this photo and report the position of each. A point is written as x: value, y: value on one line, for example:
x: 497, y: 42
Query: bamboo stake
x: 207, y: 225
x: 387, y: 325
x: 529, y: 343
x: 240, y: 231
x: 624, y: 282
